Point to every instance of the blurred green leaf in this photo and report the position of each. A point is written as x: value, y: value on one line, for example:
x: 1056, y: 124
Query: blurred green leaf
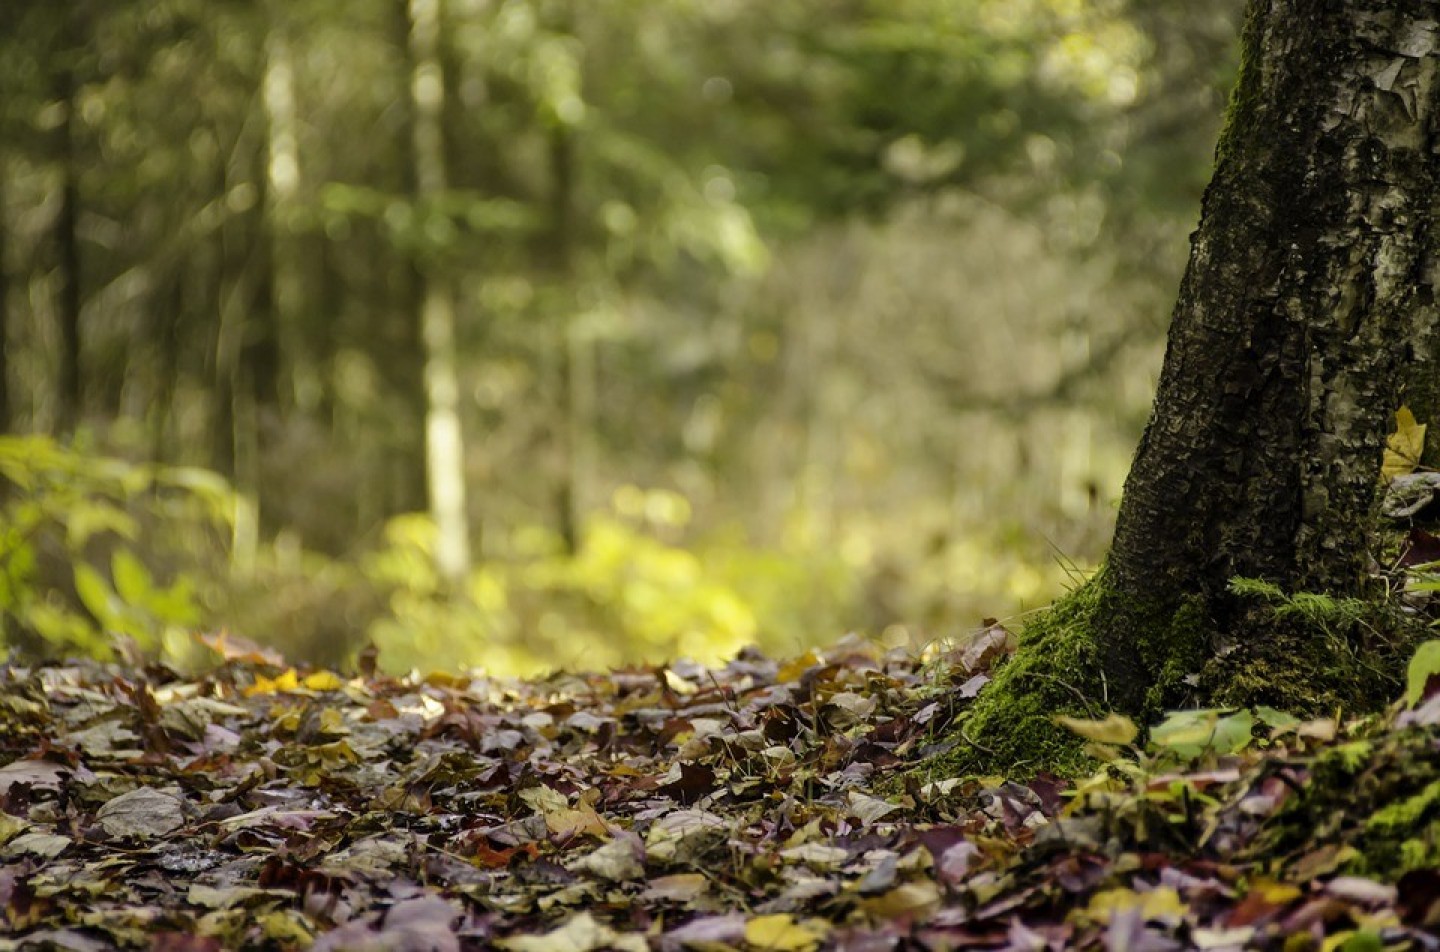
x: 1192, y: 733
x: 95, y: 593
x: 132, y: 578
x: 1423, y: 666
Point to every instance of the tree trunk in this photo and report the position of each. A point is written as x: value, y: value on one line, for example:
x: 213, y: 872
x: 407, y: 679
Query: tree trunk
x: 166, y: 328
x: 67, y: 252
x: 304, y: 388
x: 6, y: 412
x: 246, y: 353
x: 1308, y: 301
x: 1311, y: 284
x: 444, y: 443
x: 577, y: 371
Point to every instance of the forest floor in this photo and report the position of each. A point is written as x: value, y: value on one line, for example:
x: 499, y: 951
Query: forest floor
x: 765, y: 805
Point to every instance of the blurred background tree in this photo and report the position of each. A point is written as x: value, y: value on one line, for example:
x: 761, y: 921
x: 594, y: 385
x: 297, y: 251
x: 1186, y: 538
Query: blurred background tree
x: 538, y: 332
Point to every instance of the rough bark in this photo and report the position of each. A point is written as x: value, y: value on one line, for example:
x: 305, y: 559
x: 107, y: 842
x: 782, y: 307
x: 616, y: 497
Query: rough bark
x: 444, y: 442
x: 1309, y: 294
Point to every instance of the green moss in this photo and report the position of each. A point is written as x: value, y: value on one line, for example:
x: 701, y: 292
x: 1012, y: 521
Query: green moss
x: 1379, y: 794
x: 1177, y: 650
x: 1405, y: 834
x: 1405, y: 815
x: 1309, y: 661
x: 1306, y: 656
x: 1011, y: 728
x: 1240, y: 112
x: 1057, y: 671
x: 1344, y: 760
x: 1419, y: 853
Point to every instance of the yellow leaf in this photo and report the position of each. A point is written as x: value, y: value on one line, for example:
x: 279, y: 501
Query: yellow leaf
x: 332, y: 722
x: 324, y: 681
x: 1115, y: 729
x: 678, y: 684
x: 284, y: 926
x: 1404, y: 447
x: 781, y: 933
x: 288, y: 681
x: 918, y: 899
x: 1163, y: 903
x: 1275, y: 894
x: 795, y: 667
x: 581, y: 820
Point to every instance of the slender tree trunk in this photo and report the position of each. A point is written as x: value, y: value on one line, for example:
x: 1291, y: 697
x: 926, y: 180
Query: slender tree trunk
x: 6, y: 411
x: 1310, y: 292
x: 577, y: 371
x: 304, y: 390
x: 225, y: 343
x: 166, y: 327
x: 580, y: 407
x: 444, y: 442
x: 246, y: 373
x: 67, y: 249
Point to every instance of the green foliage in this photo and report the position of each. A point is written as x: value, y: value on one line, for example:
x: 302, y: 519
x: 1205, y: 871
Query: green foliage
x: 82, y: 538
x: 1323, y: 611
x: 93, y: 549
x: 1189, y: 734
x: 628, y: 595
x: 1423, y: 666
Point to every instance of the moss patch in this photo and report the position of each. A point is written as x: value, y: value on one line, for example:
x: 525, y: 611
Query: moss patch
x: 1379, y: 796
x: 1011, y: 728
x: 1242, y: 109
x: 1298, y: 662
x: 1057, y: 670
x: 1308, y: 665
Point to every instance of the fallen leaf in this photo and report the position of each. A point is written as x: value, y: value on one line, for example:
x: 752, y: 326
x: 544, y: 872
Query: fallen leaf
x: 580, y: 933
x: 619, y: 860
x: 323, y: 681
x: 1163, y: 903
x: 868, y: 809
x: 1404, y: 447
x: 36, y: 773
x: 1114, y: 729
x: 283, y: 683
x: 915, y: 900
x: 142, y: 813
x: 43, y: 845
x: 781, y: 933
x: 986, y: 646
x: 234, y: 648
x: 1424, y: 666
x: 681, y: 887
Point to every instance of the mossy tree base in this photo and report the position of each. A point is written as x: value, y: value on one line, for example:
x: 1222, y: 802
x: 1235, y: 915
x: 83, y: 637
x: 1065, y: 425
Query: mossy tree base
x: 1298, y: 665
x: 1059, y: 670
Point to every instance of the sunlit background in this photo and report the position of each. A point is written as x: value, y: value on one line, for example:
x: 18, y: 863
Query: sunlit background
x: 729, y: 321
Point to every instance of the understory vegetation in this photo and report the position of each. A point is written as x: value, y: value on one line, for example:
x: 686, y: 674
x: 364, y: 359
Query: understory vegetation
x: 99, y: 556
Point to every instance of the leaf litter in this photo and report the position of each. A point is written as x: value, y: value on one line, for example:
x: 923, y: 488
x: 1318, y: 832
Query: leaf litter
x: 763, y: 805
